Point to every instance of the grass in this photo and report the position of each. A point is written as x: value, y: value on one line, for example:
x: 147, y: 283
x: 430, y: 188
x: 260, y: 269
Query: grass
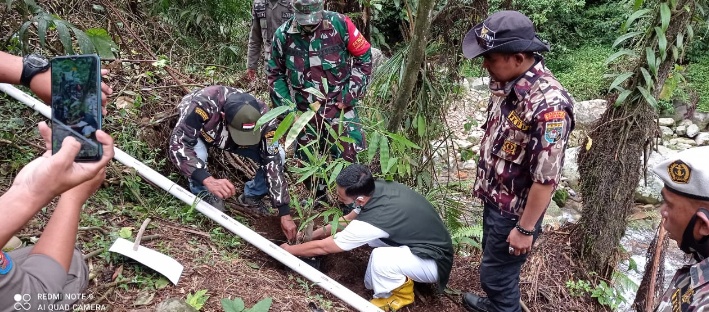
x: 581, y: 71
x: 698, y: 77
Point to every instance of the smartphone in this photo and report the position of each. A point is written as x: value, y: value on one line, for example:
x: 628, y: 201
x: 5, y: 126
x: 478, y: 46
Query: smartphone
x: 76, y: 103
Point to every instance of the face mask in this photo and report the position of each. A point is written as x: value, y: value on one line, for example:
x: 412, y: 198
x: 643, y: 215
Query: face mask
x: 689, y: 244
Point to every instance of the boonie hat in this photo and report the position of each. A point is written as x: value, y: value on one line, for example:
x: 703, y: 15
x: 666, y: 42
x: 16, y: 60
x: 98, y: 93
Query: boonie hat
x: 504, y: 31
x: 308, y: 12
x: 242, y: 111
x: 686, y: 173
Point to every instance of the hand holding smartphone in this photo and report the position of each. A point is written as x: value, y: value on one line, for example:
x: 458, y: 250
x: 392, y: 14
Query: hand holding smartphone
x: 76, y: 103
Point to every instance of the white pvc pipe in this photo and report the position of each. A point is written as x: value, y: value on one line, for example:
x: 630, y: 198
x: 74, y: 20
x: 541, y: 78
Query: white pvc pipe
x: 226, y: 221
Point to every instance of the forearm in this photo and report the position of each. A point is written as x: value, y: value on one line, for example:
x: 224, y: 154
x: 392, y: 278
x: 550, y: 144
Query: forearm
x: 18, y: 206
x: 10, y: 68
x: 314, y: 248
x: 537, y: 202
x: 59, y: 236
x: 326, y: 230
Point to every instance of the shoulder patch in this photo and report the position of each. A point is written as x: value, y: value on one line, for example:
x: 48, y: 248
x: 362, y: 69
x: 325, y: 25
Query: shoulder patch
x: 5, y: 263
x: 199, y: 111
x: 270, y: 134
x: 511, y: 148
x: 555, y: 115
x: 553, y: 130
x: 517, y: 121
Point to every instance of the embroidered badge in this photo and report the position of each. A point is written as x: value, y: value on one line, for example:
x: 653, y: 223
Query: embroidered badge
x: 552, y: 133
x: 270, y: 134
x: 679, y: 172
x: 517, y: 121
x: 206, y: 136
x: 248, y: 126
x: 555, y: 115
x: 286, y: 15
x: 486, y: 37
x: 510, y: 148
x: 5, y: 263
x: 199, y: 111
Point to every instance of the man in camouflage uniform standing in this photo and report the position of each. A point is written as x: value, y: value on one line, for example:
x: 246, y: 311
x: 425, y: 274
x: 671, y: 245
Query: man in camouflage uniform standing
x: 225, y: 118
x: 530, y: 116
x: 316, y: 47
x: 685, y: 210
x: 267, y: 16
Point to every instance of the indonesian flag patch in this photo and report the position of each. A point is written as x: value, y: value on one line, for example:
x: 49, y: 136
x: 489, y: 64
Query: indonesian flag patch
x: 248, y: 126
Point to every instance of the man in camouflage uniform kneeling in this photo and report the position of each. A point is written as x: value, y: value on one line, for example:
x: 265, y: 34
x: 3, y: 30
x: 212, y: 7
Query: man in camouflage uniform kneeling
x: 530, y: 116
x: 685, y: 210
x: 316, y: 47
x: 225, y: 118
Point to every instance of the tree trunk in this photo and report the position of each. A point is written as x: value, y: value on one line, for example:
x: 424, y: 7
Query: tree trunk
x: 610, y: 170
x: 414, y: 60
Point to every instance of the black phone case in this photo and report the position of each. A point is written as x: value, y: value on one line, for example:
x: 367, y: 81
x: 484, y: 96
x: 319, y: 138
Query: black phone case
x: 64, y: 93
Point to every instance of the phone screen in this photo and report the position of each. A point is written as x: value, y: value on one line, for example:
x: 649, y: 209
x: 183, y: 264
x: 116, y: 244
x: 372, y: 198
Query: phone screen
x: 76, y: 103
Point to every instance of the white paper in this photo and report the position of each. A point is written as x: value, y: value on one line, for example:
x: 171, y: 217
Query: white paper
x: 161, y: 263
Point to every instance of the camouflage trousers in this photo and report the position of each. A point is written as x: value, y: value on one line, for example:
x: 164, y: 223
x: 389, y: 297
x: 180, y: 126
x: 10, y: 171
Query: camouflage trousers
x: 341, y: 136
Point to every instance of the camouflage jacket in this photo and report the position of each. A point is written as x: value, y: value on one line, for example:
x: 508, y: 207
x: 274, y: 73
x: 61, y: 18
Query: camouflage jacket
x: 527, y: 128
x: 335, y: 53
x: 688, y: 291
x: 201, y: 118
x: 268, y: 15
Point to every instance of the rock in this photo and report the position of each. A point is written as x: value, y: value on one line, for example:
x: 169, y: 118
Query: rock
x: 681, y: 130
x: 686, y: 123
x: 687, y: 141
x: 666, y: 132
x: 378, y: 58
x: 469, y: 165
x: 576, y: 138
x: 701, y: 119
x: 463, y: 144
x: 480, y: 83
x: 587, y: 112
x: 476, y: 149
x: 702, y: 138
x: 571, y: 168
x: 682, y: 146
x: 667, y: 122
x: 649, y: 193
x: 174, y: 305
x: 692, y: 131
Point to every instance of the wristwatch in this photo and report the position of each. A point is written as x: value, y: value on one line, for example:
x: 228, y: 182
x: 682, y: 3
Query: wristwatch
x: 32, y: 64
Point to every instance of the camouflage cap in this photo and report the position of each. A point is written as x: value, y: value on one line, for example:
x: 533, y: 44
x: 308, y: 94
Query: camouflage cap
x: 686, y: 173
x: 308, y: 12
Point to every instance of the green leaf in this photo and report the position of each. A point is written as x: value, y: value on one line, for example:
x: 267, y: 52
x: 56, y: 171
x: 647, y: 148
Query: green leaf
x: 85, y: 44
x: 638, y: 4
x: 161, y: 283
x: 384, y: 153
x: 648, y: 97
x: 621, y: 98
x: 315, y: 92
x: 629, y: 22
x: 661, y: 42
x: 616, y: 55
x: 64, y: 36
x: 619, y: 80
x: 690, y: 32
x: 103, y: 42
x: 401, y: 139
x: 284, y: 125
x: 390, y: 164
x: 675, y: 54
x: 8, y: 5
x: 261, y: 306
x: 42, y: 29
x: 298, y: 126
x: 271, y: 115
x: 665, y: 15
x: 680, y: 40
x: 236, y: 305
x: 125, y: 232
x: 625, y: 37
x: 646, y: 75
x: 98, y: 8
x: 421, y: 125
x: 372, y: 146
x: 650, y: 57
x: 335, y: 172
x: 23, y: 34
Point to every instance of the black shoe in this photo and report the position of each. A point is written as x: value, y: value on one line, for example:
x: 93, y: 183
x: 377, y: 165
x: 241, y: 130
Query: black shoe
x: 253, y: 202
x: 475, y: 303
x: 213, y: 200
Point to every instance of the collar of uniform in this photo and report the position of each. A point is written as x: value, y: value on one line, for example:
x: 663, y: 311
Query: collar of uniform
x: 699, y: 273
x: 523, y: 83
x: 296, y: 29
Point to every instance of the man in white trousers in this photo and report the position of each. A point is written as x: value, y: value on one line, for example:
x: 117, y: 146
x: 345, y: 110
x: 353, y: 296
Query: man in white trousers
x: 410, y: 241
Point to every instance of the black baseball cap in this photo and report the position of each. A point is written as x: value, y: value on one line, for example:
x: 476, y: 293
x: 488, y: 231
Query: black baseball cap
x: 504, y: 32
x: 242, y: 111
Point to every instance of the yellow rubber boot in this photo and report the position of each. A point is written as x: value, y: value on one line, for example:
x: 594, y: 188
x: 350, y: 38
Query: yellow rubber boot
x: 400, y: 297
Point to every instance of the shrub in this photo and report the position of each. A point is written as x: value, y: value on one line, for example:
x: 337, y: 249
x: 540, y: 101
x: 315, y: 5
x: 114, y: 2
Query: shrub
x: 698, y: 79
x: 581, y: 71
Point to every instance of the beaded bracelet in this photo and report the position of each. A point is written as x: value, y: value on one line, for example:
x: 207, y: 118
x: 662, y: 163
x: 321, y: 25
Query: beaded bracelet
x: 523, y: 231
